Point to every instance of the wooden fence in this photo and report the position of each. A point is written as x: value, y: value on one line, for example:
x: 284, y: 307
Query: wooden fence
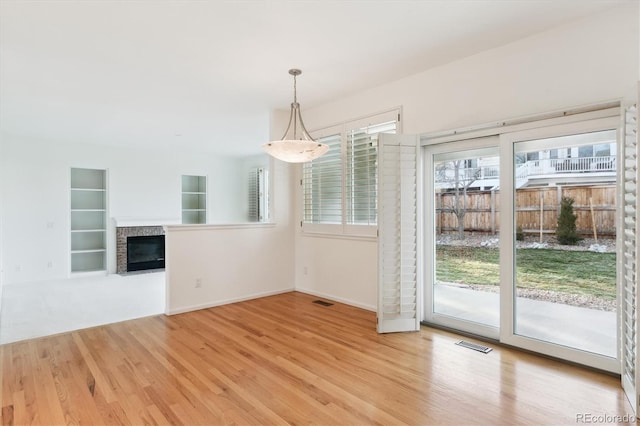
x: 537, y: 210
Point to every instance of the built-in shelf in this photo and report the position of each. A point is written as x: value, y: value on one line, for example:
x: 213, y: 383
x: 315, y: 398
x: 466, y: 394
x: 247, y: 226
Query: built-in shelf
x: 88, y: 220
x: 194, y: 199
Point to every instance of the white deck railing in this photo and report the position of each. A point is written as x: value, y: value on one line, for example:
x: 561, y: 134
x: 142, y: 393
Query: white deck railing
x: 552, y: 166
x: 545, y: 167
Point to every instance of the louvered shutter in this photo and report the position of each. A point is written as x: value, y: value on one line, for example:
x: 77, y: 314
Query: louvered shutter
x: 362, y: 173
x: 629, y: 295
x: 398, y: 298
x: 258, y: 195
x: 254, y: 204
x: 322, y: 185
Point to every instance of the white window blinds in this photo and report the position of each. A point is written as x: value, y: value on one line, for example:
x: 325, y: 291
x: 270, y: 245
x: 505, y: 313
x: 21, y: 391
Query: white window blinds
x: 340, y: 188
x: 322, y: 184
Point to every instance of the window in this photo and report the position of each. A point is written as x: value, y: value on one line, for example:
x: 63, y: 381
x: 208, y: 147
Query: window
x: 340, y: 188
x: 585, y: 151
x: 532, y: 156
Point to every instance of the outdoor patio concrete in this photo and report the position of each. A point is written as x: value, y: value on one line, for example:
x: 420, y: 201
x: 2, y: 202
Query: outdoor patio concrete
x: 591, y: 330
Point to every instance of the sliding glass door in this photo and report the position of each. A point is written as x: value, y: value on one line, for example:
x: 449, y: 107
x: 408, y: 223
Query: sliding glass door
x: 565, y: 260
x: 463, y: 275
x: 562, y: 260
x: 521, y: 238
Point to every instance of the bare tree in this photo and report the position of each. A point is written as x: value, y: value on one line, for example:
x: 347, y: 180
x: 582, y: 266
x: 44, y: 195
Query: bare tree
x: 457, y: 178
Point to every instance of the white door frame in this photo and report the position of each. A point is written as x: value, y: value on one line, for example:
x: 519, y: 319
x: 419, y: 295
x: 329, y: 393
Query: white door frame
x: 507, y: 249
x: 469, y: 145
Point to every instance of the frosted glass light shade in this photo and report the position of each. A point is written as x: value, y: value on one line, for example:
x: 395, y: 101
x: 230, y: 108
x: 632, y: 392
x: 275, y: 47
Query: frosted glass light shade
x: 295, y: 151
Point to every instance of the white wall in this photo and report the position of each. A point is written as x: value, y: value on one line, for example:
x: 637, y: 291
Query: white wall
x: 35, y: 215
x: 210, y: 265
x: 344, y: 270
x: 585, y: 62
x: 1, y: 234
x: 234, y: 262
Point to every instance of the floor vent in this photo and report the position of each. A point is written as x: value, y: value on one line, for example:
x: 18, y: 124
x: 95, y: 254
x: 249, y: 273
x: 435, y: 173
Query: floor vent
x: 479, y: 348
x: 322, y: 302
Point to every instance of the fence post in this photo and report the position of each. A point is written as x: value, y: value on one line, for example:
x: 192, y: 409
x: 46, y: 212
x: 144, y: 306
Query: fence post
x: 541, y: 214
x: 439, y: 210
x: 493, y: 212
x: 593, y: 220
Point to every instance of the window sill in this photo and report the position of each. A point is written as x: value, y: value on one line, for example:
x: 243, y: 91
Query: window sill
x: 336, y: 236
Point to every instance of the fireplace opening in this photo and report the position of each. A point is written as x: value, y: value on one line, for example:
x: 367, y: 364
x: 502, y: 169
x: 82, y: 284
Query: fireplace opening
x: 145, y: 252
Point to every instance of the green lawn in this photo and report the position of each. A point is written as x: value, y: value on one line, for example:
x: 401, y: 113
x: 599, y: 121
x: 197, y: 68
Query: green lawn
x: 575, y: 272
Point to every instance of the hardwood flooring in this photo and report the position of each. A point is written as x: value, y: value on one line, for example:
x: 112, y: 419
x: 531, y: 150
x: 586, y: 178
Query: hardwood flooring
x: 286, y: 360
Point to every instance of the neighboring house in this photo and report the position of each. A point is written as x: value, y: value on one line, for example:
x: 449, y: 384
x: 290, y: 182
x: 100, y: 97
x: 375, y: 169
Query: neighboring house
x: 585, y: 164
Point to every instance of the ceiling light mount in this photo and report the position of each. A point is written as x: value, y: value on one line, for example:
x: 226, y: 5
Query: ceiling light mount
x: 296, y: 145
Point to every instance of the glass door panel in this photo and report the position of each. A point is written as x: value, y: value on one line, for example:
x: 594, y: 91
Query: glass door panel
x: 463, y: 259
x: 565, y: 248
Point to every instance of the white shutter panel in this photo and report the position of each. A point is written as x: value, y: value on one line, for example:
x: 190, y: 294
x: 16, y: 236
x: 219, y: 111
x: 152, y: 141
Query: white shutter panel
x: 629, y: 295
x: 362, y: 172
x: 258, y: 195
x: 398, y: 299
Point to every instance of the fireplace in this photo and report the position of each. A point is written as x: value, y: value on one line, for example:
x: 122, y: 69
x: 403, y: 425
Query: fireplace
x: 145, y: 252
x: 124, y: 233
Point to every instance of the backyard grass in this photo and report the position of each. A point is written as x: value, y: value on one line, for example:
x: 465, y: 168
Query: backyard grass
x: 573, y: 272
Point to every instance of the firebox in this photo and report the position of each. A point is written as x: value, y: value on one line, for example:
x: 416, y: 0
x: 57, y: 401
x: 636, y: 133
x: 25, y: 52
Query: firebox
x: 145, y: 252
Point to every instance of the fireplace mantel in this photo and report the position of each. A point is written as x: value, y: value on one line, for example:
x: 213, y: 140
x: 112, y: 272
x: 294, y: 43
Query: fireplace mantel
x: 128, y: 222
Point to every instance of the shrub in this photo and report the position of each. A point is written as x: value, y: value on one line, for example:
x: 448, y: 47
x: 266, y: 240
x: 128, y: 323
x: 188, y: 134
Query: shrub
x: 519, y: 233
x: 566, y: 232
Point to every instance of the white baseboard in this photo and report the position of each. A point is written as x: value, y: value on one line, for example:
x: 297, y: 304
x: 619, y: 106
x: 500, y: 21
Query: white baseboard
x: 207, y: 305
x: 337, y: 299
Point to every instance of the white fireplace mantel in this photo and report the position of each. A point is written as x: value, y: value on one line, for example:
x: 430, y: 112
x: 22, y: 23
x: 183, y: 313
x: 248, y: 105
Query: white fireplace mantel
x: 122, y: 222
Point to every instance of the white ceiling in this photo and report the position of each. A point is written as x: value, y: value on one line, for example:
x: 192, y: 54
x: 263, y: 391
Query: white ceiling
x: 203, y: 75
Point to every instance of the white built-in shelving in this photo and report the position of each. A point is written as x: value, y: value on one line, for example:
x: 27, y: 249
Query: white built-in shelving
x: 194, y: 199
x: 88, y: 220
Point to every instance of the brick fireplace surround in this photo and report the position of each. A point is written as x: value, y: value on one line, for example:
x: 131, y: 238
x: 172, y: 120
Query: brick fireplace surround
x: 128, y: 227
x: 122, y: 233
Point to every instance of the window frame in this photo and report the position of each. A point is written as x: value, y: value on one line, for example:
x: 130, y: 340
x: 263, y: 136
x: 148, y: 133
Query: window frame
x: 344, y: 228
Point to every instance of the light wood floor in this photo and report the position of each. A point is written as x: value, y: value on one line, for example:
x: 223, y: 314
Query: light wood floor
x: 283, y: 359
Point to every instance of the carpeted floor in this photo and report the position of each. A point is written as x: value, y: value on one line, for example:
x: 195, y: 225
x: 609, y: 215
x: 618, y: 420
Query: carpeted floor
x: 50, y: 307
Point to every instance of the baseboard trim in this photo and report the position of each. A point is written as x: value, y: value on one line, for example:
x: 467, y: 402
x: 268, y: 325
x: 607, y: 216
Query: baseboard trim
x: 208, y: 305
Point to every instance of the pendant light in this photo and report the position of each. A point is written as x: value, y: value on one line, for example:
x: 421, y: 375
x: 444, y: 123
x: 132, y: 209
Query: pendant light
x: 296, y: 146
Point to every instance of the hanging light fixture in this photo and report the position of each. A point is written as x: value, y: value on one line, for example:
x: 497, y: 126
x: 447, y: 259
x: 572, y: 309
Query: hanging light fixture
x: 297, y: 145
